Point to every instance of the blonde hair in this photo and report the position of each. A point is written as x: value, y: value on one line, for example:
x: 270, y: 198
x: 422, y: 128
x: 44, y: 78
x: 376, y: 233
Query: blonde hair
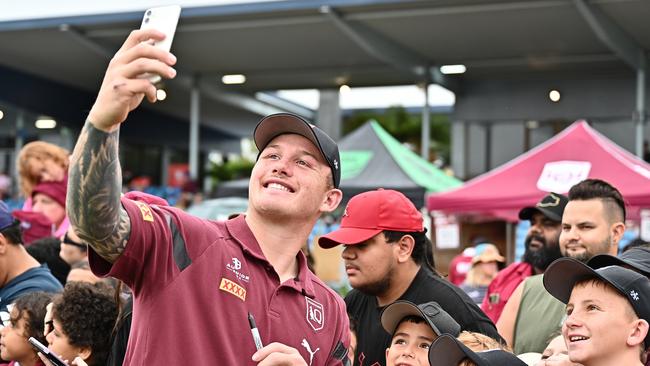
x: 41, y: 151
x: 478, y: 342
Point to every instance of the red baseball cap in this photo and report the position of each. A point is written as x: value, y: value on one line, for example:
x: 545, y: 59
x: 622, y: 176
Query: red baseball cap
x: 369, y: 213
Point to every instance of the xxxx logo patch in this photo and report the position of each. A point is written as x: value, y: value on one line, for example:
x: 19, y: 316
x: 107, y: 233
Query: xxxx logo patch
x: 232, y: 288
x: 145, y: 210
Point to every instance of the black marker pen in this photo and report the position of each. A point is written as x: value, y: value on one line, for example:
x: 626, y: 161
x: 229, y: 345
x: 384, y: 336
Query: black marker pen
x: 255, y: 332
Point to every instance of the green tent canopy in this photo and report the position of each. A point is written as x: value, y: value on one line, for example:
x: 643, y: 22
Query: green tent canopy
x: 371, y: 158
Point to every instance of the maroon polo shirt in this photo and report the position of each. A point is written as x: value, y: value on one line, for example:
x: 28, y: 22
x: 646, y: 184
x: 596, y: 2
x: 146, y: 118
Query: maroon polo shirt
x: 195, y: 281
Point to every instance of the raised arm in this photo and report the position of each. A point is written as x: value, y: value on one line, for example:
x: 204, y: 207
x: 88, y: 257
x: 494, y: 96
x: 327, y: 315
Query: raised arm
x: 95, y: 177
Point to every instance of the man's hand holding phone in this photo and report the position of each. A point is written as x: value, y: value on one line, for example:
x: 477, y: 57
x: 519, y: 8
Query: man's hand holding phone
x: 122, y: 89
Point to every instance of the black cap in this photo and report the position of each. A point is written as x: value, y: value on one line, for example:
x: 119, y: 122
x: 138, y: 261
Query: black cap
x: 637, y: 258
x: 551, y: 206
x: 439, y: 320
x: 564, y: 273
x: 449, y: 351
x: 278, y: 124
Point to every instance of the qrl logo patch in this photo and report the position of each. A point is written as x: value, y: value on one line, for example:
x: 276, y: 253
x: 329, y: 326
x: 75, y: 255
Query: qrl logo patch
x: 315, y: 314
x: 232, y: 288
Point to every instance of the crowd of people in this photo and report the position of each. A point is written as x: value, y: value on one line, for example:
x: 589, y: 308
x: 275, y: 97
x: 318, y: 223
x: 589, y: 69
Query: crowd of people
x: 103, y: 278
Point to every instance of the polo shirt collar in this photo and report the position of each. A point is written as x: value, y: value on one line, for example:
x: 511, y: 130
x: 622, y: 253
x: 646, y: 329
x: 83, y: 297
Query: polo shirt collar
x: 243, y: 235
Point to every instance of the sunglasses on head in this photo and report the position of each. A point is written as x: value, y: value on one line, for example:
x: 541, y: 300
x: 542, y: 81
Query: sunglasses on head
x: 68, y: 240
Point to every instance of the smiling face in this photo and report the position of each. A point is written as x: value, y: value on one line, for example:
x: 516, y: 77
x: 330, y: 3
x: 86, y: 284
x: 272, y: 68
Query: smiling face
x: 586, y: 230
x: 600, y: 325
x: 291, y: 180
x: 49, y: 207
x: 410, y: 344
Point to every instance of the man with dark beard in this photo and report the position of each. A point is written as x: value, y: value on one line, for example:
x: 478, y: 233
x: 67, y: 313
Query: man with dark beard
x: 593, y: 223
x: 542, y: 248
x: 385, y: 260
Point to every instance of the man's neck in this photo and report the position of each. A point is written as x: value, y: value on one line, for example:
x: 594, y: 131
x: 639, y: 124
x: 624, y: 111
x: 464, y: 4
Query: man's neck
x: 400, y: 282
x: 20, y: 262
x: 280, y: 241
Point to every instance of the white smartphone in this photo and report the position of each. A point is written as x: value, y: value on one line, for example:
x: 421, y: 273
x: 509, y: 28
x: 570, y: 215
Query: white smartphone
x: 164, y: 19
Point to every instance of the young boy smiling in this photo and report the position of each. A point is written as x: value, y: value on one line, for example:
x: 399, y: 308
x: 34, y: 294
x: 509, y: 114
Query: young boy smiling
x: 414, y: 328
x: 607, y: 312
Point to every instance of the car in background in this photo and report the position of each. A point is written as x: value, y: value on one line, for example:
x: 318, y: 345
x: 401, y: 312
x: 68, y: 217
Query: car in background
x: 219, y: 208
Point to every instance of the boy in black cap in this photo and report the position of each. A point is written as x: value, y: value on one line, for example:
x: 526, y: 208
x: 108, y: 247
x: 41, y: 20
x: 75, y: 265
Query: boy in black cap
x: 414, y: 328
x: 607, y: 312
x: 449, y: 351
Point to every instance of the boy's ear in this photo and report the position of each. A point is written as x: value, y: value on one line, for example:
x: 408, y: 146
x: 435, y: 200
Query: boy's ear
x: 85, y: 353
x: 387, y: 353
x: 639, y: 333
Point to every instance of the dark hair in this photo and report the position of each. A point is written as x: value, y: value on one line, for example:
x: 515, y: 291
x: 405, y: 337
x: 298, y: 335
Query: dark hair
x: 411, y: 319
x: 32, y: 307
x: 46, y: 250
x: 590, y: 189
x: 13, y: 233
x: 422, y: 252
x: 87, y: 313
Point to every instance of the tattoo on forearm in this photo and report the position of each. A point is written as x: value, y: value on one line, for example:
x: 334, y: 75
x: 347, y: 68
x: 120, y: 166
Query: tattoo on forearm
x: 94, y: 188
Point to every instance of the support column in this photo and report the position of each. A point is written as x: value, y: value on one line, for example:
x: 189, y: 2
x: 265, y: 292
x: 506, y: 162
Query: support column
x: 459, y: 150
x: 18, y: 145
x: 195, y: 97
x: 488, y: 146
x: 639, y: 114
x: 329, y: 113
x: 164, y: 168
x: 426, y: 126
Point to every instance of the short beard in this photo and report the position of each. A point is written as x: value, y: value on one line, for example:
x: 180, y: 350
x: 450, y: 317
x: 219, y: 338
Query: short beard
x: 544, y: 256
x: 600, y: 248
x: 380, y: 287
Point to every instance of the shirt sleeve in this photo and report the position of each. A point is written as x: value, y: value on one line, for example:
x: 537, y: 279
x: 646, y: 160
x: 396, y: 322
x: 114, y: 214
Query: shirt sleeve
x: 147, y: 259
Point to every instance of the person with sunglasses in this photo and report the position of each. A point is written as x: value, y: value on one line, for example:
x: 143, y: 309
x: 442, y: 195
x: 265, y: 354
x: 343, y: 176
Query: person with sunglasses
x: 73, y: 249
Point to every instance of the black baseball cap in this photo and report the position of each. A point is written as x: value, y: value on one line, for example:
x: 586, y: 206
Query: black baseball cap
x: 438, y: 319
x: 637, y: 258
x: 552, y: 206
x: 278, y: 124
x: 564, y: 273
x: 449, y: 351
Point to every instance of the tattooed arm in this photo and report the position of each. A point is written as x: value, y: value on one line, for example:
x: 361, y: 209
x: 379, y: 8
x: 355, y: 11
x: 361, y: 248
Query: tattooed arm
x: 95, y: 178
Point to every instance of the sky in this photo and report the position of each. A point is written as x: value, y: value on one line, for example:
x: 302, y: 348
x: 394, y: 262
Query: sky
x: 375, y: 97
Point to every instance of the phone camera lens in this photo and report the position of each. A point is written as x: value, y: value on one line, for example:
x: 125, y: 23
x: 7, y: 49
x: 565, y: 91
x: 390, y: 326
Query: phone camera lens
x: 146, y: 20
x: 149, y: 12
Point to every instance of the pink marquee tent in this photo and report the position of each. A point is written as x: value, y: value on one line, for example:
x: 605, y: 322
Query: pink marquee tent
x: 577, y: 153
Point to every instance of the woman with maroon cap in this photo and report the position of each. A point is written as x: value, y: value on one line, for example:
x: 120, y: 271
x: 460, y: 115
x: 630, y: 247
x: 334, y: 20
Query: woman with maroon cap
x: 41, y: 162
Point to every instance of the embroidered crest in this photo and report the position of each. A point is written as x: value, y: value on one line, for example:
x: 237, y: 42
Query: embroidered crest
x: 315, y: 314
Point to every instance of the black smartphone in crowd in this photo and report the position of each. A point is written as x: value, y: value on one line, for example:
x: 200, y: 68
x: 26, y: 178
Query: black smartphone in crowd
x: 54, y: 359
